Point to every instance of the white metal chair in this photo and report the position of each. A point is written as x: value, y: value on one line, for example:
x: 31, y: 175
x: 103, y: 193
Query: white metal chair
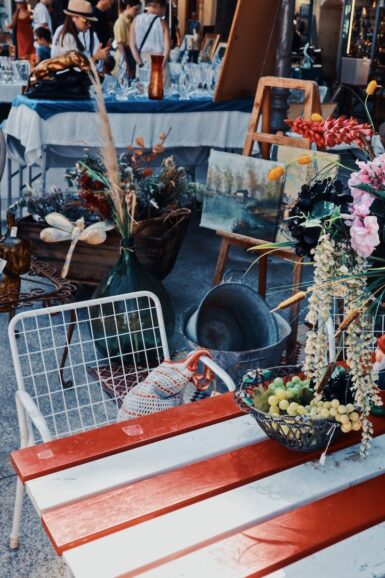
x: 79, y: 341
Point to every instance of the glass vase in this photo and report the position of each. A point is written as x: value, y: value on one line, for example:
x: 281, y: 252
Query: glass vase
x: 155, y: 88
x: 125, y: 329
x: 9, y: 290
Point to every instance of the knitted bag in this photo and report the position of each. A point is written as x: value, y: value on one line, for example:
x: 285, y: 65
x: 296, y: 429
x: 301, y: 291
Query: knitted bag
x: 163, y: 388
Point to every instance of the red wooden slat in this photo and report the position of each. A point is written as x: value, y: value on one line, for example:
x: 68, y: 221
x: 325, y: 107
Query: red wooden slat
x: 36, y: 461
x: 272, y: 545
x: 110, y: 511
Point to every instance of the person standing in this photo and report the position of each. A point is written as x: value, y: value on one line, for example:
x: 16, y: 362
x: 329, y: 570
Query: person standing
x: 103, y: 27
x: 76, y: 34
x: 22, y: 31
x: 41, y: 15
x: 174, y: 32
x: 130, y: 9
x: 149, y: 34
x: 43, y: 40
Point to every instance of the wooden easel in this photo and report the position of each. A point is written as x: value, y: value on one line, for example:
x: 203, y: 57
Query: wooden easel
x: 262, y: 109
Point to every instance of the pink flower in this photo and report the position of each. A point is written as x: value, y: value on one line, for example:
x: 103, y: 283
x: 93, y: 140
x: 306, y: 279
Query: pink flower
x: 370, y: 173
x: 364, y: 236
x: 361, y: 204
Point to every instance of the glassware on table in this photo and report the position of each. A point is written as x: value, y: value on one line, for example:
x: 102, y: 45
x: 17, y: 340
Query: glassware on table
x: 21, y: 70
x: 184, y: 84
x: 143, y: 73
x: 110, y: 86
x: 6, y: 71
x: 123, y: 85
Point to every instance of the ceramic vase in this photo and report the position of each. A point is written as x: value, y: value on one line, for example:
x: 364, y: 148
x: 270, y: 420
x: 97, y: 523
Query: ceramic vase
x: 155, y: 88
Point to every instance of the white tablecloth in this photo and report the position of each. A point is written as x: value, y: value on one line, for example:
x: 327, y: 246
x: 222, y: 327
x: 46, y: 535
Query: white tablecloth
x: 8, y: 92
x: 221, y: 129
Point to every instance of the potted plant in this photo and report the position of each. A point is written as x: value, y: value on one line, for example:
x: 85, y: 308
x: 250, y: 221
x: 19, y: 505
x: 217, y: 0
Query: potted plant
x: 162, y: 213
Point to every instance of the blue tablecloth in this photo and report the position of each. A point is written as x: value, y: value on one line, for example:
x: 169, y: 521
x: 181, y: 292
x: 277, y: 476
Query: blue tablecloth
x: 47, y: 108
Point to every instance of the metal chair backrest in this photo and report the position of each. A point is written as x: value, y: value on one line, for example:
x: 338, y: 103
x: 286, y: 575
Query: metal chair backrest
x: 3, y: 153
x: 63, y: 353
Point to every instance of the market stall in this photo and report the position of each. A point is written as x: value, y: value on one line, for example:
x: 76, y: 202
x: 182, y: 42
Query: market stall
x: 54, y: 133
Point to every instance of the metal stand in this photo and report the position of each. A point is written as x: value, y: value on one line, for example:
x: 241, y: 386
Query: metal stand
x: 279, y: 103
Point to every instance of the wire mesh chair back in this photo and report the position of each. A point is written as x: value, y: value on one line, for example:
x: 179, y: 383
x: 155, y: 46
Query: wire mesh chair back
x: 62, y: 354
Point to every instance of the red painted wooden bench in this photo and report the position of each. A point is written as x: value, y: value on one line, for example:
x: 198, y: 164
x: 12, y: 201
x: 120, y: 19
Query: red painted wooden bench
x: 200, y: 491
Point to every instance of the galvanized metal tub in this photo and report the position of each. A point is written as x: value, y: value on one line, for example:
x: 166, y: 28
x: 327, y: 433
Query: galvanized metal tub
x: 236, y: 363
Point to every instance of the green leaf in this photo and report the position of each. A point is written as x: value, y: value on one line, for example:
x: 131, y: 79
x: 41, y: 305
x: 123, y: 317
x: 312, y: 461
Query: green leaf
x: 364, y: 187
x: 336, y: 214
x: 322, y: 209
x: 312, y: 223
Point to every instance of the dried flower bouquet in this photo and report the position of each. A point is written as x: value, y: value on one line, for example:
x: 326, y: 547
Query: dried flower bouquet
x: 342, y: 229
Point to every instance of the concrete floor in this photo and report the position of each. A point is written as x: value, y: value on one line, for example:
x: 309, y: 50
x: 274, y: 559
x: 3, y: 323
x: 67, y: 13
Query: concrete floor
x: 188, y: 282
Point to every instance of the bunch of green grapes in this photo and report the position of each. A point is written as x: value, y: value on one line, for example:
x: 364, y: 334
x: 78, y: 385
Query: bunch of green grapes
x: 293, y: 400
x: 346, y: 415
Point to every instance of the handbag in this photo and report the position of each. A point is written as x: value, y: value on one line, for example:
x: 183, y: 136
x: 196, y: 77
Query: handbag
x: 64, y: 77
x: 164, y: 387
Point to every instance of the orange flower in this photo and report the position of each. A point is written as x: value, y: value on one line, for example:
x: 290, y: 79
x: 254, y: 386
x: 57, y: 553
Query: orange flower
x: 276, y: 173
x: 304, y: 160
x: 315, y: 117
x: 371, y: 88
x: 158, y: 149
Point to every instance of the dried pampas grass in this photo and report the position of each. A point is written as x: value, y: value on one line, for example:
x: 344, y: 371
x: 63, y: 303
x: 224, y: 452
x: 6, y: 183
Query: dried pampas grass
x: 109, y: 158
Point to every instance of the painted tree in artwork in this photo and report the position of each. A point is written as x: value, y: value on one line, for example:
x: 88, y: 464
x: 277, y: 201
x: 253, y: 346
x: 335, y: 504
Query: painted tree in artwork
x: 238, y: 181
x: 252, y: 182
x: 228, y: 181
x: 214, y: 179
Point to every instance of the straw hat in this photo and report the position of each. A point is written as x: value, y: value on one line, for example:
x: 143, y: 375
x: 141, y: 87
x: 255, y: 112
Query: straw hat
x: 80, y: 8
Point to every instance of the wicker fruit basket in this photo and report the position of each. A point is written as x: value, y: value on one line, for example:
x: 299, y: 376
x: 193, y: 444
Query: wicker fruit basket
x: 301, y: 433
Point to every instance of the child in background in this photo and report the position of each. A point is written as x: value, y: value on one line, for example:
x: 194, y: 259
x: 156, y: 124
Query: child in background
x: 43, y: 40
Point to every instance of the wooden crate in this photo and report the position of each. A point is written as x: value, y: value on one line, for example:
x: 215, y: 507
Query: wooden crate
x: 157, y: 243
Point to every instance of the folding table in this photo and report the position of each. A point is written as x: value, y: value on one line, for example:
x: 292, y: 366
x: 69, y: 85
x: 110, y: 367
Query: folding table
x: 199, y: 491
x: 52, y: 134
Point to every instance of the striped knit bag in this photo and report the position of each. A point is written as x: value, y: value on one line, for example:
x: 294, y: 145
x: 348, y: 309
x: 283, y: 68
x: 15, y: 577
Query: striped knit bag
x: 163, y: 387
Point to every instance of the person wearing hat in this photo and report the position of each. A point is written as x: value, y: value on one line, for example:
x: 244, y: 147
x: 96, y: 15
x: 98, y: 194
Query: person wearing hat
x: 76, y: 33
x: 22, y: 30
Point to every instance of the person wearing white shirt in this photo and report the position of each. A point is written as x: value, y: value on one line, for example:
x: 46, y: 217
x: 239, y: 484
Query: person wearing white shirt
x: 41, y: 15
x: 149, y: 34
x: 76, y: 33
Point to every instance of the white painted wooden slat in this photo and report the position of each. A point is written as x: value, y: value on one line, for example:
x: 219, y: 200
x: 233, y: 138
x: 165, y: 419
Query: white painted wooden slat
x: 143, y: 462
x: 361, y: 556
x: 177, y: 531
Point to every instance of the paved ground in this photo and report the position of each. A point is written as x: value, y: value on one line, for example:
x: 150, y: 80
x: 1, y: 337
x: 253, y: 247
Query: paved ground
x: 187, y: 283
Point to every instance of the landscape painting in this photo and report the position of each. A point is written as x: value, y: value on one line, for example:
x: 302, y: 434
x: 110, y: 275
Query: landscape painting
x: 322, y: 165
x: 240, y: 198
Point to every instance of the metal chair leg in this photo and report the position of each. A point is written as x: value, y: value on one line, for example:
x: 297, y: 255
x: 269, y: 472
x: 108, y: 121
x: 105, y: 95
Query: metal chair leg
x: 15, y: 532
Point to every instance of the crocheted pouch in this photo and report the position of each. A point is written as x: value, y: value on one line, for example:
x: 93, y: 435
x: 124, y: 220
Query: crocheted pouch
x: 164, y: 387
